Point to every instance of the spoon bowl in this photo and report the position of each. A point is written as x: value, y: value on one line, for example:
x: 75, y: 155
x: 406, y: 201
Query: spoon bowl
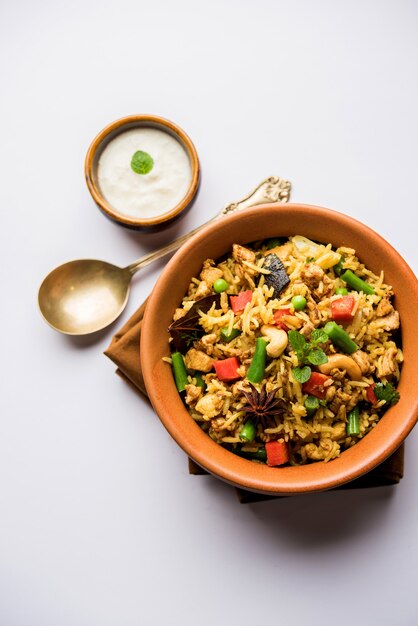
x: 84, y: 296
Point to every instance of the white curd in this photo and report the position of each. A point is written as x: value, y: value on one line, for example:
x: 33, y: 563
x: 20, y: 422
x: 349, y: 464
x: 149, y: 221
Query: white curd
x: 144, y: 195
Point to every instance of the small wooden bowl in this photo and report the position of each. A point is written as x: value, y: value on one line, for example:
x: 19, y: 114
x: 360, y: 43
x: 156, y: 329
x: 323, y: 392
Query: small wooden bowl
x: 257, y: 223
x: 100, y: 142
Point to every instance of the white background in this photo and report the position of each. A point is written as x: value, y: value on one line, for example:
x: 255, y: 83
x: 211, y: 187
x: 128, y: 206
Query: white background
x: 100, y: 523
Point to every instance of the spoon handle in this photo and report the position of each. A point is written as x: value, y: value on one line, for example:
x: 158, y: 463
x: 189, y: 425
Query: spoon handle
x: 272, y: 189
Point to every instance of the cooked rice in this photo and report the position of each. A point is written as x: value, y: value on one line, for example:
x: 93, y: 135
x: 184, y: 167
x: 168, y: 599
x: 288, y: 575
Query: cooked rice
x: 322, y: 437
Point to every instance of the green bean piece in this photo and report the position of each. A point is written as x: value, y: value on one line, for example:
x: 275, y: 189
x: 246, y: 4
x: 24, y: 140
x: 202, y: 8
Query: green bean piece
x: 220, y: 285
x: 357, y: 283
x: 353, y: 422
x: 227, y: 337
x: 256, y: 370
x: 199, y: 380
x: 179, y: 371
x: 258, y: 455
x: 248, y: 432
x: 299, y: 303
x: 311, y: 405
x: 338, y: 267
x: 340, y: 338
x: 341, y: 291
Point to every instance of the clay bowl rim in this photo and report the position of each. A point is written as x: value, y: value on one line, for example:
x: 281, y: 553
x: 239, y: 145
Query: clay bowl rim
x: 379, y: 444
x: 119, y: 126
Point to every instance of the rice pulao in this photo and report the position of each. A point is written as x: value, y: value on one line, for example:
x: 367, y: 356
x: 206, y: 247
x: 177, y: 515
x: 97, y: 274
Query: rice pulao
x: 287, y: 351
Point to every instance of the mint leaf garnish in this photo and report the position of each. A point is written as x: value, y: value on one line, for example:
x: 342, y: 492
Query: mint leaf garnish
x: 307, y: 352
x: 297, y: 341
x: 317, y: 356
x: 319, y: 336
x: 302, y: 374
x: 142, y: 162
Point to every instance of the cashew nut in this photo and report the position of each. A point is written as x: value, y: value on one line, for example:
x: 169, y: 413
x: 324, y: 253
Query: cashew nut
x: 341, y: 362
x: 277, y: 340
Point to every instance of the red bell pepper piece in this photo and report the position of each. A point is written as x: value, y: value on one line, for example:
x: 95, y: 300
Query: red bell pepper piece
x: 315, y: 385
x: 238, y: 302
x: 370, y: 394
x: 277, y: 318
x: 342, y: 309
x: 226, y: 369
x: 277, y: 453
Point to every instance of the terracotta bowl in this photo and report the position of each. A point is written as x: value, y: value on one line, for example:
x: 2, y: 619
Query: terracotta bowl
x: 254, y: 224
x: 100, y: 142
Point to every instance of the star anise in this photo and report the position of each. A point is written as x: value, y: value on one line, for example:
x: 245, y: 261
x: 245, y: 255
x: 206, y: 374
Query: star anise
x: 262, y: 405
x: 187, y: 329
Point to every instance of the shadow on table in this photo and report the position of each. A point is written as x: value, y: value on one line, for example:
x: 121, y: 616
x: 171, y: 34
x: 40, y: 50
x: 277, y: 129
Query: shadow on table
x: 325, y: 517
x: 316, y: 519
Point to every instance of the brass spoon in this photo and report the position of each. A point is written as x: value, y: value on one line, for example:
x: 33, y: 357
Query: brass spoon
x: 86, y: 295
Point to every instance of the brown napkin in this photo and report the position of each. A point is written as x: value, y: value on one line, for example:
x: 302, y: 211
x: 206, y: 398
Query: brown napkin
x: 124, y: 351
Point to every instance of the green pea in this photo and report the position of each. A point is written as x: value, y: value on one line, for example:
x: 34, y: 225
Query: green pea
x: 341, y: 291
x: 299, y: 303
x: 220, y: 285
